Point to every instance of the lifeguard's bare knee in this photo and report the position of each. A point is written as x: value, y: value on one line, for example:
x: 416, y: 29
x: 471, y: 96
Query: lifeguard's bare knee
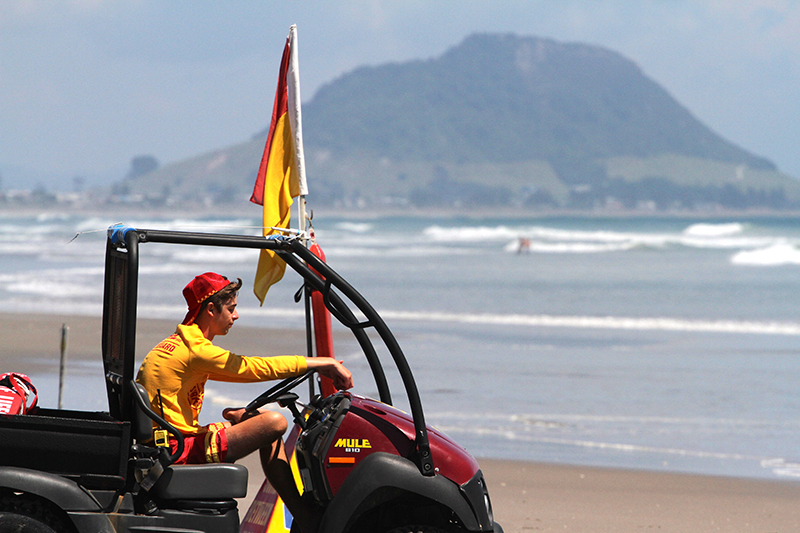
x: 275, y: 422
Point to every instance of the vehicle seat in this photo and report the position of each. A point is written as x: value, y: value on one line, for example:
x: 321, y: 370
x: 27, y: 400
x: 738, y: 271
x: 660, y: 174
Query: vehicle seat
x: 217, y: 481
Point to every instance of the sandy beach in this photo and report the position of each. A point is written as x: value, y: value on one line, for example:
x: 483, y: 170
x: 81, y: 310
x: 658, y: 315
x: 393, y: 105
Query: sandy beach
x: 527, y: 496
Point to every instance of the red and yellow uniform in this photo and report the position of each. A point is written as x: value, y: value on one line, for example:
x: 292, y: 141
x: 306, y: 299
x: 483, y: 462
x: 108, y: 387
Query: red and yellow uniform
x: 182, y: 363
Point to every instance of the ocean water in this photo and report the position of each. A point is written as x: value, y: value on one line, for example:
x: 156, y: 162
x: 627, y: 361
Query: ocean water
x: 657, y: 343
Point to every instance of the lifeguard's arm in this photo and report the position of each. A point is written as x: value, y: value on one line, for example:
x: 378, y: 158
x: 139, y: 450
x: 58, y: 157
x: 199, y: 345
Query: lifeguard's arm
x: 331, y: 368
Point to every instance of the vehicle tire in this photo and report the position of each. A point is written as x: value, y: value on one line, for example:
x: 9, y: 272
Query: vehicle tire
x: 27, y: 514
x: 418, y: 528
x: 20, y: 523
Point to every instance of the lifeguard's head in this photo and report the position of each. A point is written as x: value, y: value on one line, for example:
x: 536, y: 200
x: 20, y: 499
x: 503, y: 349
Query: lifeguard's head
x: 209, y: 288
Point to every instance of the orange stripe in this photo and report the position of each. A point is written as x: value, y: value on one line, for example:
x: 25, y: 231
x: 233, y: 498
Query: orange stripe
x: 341, y: 460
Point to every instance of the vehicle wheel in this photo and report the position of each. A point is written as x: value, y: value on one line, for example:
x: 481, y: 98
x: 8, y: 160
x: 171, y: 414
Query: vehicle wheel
x: 20, y: 523
x: 25, y: 514
x: 419, y: 528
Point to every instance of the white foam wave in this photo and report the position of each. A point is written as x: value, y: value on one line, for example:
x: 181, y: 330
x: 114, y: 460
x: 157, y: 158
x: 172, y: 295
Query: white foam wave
x: 567, y: 247
x: 63, y: 273
x: 607, y: 322
x: 20, y: 248
x: 621, y: 323
x: 354, y: 227
x: 724, y: 243
x: 35, y: 235
x: 54, y: 289
x: 359, y: 250
x: 477, y: 233
x: 544, y: 239
x: 517, y: 436
x: 219, y: 255
x: 541, y: 233
x: 775, y: 255
x: 567, y: 419
x: 72, y: 283
x: 782, y: 467
x: 714, y: 230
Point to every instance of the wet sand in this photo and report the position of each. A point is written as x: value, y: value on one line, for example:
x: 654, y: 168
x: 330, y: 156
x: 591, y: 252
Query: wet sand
x: 527, y: 496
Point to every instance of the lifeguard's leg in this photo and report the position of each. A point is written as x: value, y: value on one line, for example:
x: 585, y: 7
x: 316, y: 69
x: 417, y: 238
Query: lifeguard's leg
x: 263, y: 432
x: 249, y: 433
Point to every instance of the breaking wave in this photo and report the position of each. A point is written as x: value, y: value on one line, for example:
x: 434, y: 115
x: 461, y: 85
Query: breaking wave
x: 775, y: 255
x: 603, y: 322
x: 714, y: 230
x: 543, y: 239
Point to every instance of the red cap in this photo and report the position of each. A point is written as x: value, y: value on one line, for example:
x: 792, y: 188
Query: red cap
x: 199, y: 290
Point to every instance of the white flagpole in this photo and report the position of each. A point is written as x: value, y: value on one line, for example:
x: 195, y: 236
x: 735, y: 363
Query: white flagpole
x: 296, y: 122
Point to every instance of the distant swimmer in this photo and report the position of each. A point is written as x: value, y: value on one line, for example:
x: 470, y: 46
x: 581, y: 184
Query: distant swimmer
x: 524, y: 245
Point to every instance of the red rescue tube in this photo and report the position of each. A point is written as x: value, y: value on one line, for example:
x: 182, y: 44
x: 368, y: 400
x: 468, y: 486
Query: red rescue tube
x: 323, y: 329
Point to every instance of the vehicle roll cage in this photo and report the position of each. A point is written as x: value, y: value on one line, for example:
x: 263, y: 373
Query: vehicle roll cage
x: 317, y: 275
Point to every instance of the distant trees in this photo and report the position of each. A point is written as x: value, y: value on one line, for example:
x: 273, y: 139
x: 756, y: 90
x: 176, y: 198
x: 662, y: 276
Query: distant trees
x: 442, y: 190
x: 665, y: 194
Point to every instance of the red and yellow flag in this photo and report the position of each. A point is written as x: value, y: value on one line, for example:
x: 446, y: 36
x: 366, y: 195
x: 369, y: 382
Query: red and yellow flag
x: 281, y: 176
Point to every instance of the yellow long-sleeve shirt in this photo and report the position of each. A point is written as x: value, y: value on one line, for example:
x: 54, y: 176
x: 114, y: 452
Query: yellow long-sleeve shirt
x: 182, y: 363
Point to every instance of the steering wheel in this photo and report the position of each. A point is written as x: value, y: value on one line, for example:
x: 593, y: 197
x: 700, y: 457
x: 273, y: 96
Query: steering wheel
x: 280, y: 389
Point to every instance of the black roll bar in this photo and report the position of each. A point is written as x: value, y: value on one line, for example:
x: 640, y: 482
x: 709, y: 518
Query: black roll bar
x: 131, y: 301
x: 375, y: 321
x: 333, y: 301
x: 120, y: 295
x: 296, y: 255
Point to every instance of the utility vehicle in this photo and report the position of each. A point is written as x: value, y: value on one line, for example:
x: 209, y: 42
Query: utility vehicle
x: 370, y: 466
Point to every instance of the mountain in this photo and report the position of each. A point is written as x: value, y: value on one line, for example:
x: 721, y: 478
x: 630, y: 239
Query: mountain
x: 500, y: 120
x: 501, y: 98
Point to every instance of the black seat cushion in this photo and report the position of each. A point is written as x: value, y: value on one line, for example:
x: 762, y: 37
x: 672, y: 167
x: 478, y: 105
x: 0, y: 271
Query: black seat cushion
x: 202, y: 482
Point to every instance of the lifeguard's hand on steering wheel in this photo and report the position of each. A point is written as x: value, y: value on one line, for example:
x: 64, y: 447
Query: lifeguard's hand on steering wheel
x: 331, y: 368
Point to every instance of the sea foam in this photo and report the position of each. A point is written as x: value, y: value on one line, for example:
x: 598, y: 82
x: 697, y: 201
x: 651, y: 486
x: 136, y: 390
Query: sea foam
x: 603, y: 322
x: 775, y: 255
x: 714, y: 230
x: 544, y: 239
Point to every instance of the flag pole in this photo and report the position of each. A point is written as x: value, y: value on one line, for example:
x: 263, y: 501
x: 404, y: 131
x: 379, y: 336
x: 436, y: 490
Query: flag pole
x: 301, y: 222
x: 295, y: 118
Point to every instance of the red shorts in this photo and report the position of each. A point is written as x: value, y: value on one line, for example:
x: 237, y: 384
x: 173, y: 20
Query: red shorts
x: 210, y: 446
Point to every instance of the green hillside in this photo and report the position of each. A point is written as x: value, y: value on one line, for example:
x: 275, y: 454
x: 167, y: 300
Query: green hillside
x: 499, y: 120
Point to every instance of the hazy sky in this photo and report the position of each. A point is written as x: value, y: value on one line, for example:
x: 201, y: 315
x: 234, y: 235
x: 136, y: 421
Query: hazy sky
x: 85, y: 85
